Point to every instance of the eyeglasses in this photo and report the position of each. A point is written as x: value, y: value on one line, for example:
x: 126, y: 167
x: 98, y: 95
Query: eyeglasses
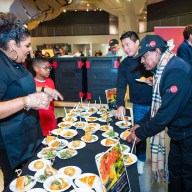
x: 47, y: 68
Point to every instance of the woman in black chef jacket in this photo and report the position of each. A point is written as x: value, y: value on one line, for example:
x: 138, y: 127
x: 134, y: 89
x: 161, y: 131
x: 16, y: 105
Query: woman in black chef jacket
x: 20, y: 131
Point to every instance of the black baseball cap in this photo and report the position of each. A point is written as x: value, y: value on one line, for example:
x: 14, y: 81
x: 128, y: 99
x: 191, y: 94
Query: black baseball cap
x: 113, y: 42
x: 150, y: 43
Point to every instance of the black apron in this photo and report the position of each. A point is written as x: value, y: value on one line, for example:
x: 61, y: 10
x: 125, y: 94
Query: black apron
x: 22, y: 133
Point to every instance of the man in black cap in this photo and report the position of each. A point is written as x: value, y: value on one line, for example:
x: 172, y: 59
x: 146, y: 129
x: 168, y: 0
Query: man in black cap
x: 116, y: 49
x: 171, y: 108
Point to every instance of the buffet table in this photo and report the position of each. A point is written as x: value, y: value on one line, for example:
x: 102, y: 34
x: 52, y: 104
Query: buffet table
x: 85, y: 159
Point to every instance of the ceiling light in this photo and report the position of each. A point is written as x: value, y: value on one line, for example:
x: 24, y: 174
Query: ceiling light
x: 64, y: 10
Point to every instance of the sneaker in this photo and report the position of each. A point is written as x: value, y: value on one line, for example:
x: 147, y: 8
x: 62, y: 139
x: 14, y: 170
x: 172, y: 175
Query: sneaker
x: 140, y: 167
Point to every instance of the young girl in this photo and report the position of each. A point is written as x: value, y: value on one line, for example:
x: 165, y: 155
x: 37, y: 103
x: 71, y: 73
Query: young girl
x: 43, y: 83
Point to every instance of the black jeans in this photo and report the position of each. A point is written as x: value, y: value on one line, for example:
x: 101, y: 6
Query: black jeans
x: 8, y: 172
x: 180, y: 166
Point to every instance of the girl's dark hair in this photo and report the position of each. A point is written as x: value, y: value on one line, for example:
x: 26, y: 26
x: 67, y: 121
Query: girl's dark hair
x: 130, y: 34
x: 10, y: 29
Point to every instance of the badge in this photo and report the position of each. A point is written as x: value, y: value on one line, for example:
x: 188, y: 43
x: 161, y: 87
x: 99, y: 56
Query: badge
x: 173, y: 89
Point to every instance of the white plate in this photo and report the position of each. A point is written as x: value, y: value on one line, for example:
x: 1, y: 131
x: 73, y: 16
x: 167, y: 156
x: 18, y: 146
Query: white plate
x: 73, y: 132
x: 92, y: 119
x: 44, y: 140
x: 80, y: 124
x: 133, y: 157
x: 31, y: 165
x: 46, y: 156
x: 69, y: 119
x: 103, y: 142
x: 38, y: 173
x: 79, y: 183
x: 101, y: 119
x: 105, y: 128
x: 12, y: 185
x: 92, y: 110
x: 37, y: 190
x: 122, y: 125
x: 92, y: 127
x: 141, y: 81
x: 65, y: 125
x: 121, y: 135
x: 85, y: 114
x: 49, y: 180
x: 125, y: 149
x: 94, y: 139
x: 78, y: 171
x: 105, y: 115
x: 105, y: 134
x: 82, y: 145
x: 57, y: 131
x: 62, y: 144
x: 73, y: 153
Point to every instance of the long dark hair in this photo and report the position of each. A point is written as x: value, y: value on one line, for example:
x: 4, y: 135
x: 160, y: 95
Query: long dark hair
x: 10, y: 29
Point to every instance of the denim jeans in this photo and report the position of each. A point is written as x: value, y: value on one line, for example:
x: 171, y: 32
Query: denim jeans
x: 139, y: 112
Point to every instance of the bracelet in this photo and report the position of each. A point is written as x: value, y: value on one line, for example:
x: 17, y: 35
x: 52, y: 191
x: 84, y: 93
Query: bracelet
x: 43, y: 89
x: 24, y: 104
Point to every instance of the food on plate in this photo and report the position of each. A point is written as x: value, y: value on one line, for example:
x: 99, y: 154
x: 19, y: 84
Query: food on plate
x: 49, y: 170
x: 126, y: 134
x: 68, y: 134
x: 48, y: 153
x: 49, y: 138
x: 149, y: 78
x: 56, y: 185
x: 129, y: 159
x: 39, y: 164
x: 90, y: 128
x: 64, y: 125
x: 79, y: 124
x: 110, y: 133
x: 110, y: 142
x: 70, y: 171
x: 23, y: 182
x: 91, y: 118
x: 88, y: 137
x: 58, y: 144
x: 102, y: 109
x: 92, y: 110
x: 89, y: 180
x: 58, y: 130
x: 123, y: 124
x: 142, y: 78
x: 68, y: 153
x: 104, y: 128
x: 70, y: 119
x: 76, y: 143
x: 55, y: 144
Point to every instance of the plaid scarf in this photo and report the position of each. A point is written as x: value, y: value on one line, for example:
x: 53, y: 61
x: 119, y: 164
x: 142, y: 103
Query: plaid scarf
x: 157, y: 142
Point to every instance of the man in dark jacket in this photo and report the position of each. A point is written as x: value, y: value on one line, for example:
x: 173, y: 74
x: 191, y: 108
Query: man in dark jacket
x: 184, y: 50
x: 171, y: 107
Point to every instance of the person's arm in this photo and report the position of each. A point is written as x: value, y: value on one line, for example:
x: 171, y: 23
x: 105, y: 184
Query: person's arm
x: 184, y: 53
x: 175, y: 94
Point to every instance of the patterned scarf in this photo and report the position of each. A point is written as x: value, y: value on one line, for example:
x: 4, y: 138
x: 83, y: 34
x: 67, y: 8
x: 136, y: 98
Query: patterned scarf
x: 157, y: 142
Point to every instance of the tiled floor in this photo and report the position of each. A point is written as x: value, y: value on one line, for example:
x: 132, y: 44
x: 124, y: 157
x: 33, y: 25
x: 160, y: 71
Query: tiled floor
x: 145, y: 179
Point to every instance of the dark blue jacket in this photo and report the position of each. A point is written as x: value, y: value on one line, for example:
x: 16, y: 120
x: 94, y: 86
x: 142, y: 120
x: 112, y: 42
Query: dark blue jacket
x: 184, y: 51
x: 140, y: 93
x: 176, y: 107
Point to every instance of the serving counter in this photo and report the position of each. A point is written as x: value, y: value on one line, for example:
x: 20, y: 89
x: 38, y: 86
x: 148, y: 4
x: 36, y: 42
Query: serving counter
x: 85, y: 159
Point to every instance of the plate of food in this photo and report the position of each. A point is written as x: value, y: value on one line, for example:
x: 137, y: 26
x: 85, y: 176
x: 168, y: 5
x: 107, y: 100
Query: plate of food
x: 87, y: 179
x: 42, y: 175
x: 108, y: 142
x: 92, y: 127
x: 23, y: 183
x: 85, y: 114
x: 89, y: 137
x: 91, y: 118
x: 92, y: 110
x: 70, y: 171
x: 129, y: 159
x: 57, y: 131
x: 105, y: 128
x: 47, y: 153
x: 144, y: 79
x: 58, y: 144
x: 80, y: 124
x: 57, y: 183
x: 65, y: 125
x: 102, y: 110
x: 77, y: 144
x: 125, y: 149
x: 67, y: 153
x: 68, y: 133
x: 123, y: 124
x: 48, y: 139
x: 110, y: 133
x: 38, y: 164
x: 125, y: 134
x: 69, y: 119
x: 105, y: 119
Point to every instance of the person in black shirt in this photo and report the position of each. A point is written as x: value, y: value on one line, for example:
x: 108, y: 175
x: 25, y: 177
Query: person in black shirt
x: 140, y: 93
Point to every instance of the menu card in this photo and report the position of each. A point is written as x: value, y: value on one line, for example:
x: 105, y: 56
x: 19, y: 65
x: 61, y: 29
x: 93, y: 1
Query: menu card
x: 112, y: 170
x: 111, y: 95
